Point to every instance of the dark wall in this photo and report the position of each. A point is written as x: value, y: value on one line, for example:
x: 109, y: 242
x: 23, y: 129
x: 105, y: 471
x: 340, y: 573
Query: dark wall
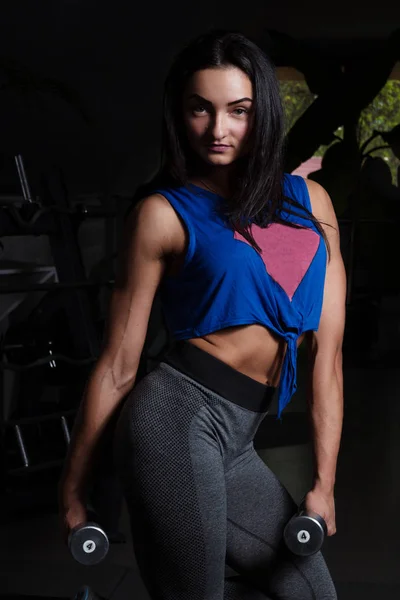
x: 110, y: 60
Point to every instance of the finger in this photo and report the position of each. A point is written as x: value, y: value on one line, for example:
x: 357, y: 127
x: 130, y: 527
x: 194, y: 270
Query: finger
x: 331, y: 529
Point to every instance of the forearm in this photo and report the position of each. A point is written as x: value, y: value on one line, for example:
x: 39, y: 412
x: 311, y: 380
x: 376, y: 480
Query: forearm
x: 326, y: 415
x: 101, y: 398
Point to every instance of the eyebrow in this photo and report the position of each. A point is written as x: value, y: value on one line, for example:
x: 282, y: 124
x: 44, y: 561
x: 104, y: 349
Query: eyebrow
x: 229, y: 103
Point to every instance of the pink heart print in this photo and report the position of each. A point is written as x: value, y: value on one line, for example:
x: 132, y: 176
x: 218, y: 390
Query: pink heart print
x: 287, y: 253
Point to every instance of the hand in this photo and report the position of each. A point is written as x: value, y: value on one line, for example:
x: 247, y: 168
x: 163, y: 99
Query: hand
x: 72, y: 512
x: 322, y: 503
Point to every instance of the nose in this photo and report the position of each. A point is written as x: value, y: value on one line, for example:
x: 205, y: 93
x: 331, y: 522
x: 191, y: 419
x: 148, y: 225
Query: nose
x: 218, y: 127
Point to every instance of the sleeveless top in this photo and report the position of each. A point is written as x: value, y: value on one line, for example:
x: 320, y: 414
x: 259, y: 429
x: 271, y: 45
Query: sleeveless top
x: 225, y: 282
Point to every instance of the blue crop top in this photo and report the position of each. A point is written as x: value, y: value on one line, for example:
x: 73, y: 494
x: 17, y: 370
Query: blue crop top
x: 225, y: 281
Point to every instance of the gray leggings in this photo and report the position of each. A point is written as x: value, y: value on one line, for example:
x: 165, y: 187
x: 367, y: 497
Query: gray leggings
x: 199, y: 496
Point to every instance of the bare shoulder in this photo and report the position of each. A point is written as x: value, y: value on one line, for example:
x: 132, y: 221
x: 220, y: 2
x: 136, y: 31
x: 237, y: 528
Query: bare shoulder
x: 154, y: 222
x: 322, y: 208
x: 153, y: 210
x: 321, y: 203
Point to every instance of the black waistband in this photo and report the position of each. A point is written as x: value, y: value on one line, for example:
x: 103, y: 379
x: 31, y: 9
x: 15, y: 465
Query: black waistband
x: 219, y: 377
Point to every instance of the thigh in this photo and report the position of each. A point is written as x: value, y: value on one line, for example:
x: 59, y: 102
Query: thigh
x: 240, y: 588
x: 258, y: 508
x: 173, y: 478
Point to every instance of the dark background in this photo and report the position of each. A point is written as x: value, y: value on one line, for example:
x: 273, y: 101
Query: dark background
x: 114, y: 58
x: 80, y: 101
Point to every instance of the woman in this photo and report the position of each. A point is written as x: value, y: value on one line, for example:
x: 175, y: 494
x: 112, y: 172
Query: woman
x: 243, y: 270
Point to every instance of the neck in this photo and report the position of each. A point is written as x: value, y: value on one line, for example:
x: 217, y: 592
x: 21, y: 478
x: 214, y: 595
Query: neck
x: 219, y: 179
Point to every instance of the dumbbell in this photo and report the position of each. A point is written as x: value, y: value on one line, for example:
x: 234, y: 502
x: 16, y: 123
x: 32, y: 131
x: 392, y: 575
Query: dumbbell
x: 88, y: 543
x: 305, y: 532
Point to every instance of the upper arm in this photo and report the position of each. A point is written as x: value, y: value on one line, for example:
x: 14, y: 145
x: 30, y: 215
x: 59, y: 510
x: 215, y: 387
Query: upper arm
x: 148, y: 239
x: 326, y: 343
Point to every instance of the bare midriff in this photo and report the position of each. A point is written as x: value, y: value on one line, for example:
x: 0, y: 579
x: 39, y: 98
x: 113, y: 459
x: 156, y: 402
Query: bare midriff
x: 250, y: 349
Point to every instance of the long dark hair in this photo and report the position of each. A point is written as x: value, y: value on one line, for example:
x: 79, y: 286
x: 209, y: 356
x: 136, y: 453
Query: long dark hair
x: 260, y: 173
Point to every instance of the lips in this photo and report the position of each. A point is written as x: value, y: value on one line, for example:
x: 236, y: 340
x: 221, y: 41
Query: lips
x: 218, y: 148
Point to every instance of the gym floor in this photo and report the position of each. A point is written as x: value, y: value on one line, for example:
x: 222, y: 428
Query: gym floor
x: 363, y: 556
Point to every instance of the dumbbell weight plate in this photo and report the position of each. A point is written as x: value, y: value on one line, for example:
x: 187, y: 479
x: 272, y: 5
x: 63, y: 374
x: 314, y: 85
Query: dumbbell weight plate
x: 305, y: 533
x: 88, y: 544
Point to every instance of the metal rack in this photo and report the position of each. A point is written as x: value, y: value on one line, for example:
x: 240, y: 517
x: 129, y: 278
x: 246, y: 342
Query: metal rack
x: 51, y: 216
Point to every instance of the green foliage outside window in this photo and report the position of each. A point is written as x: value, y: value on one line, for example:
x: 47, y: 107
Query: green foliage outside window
x: 381, y: 115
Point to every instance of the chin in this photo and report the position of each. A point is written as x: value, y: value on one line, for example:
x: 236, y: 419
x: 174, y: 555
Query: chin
x: 221, y: 163
x: 219, y: 160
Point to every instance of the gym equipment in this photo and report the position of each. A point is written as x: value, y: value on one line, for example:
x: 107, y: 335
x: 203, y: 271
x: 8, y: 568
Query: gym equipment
x: 86, y: 593
x: 305, y: 532
x: 88, y: 543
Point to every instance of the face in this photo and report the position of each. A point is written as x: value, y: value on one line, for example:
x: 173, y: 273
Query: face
x: 217, y: 107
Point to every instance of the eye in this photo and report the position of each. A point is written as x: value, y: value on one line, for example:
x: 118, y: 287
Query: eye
x: 240, y: 111
x: 199, y: 109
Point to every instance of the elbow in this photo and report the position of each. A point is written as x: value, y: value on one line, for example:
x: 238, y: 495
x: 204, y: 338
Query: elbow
x: 334, y: 377
x: 123, y: 375
x: 120, y: 373
x: 123, y: 382
x: 326, y: 373
x: 338, y: 362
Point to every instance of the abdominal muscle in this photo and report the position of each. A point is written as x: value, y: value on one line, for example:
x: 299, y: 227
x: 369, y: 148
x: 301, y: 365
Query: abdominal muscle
x: 250, y: 349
